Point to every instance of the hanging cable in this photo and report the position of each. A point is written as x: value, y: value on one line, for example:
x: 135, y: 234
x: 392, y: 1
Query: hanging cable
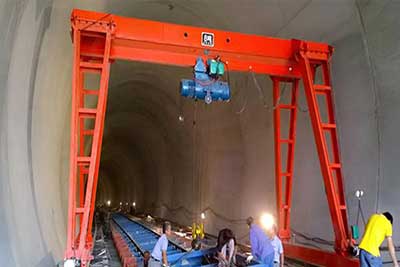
x: 243, y: 107
x: 204, y: 166
x: 260, y: 90
x: 313, y: 239
x: 316, y: 240
x: 199, y: 169
x: 304, y: 110
x: 194, y: 158
x: 224, y: 218
x: 181, y: 209
x: 244, y: 97
x: 181, y: 117
x: 227, y: 72
x: 191, y: 214
x: 301, y: 109
x: 262, y: 96
x: 360, y: 212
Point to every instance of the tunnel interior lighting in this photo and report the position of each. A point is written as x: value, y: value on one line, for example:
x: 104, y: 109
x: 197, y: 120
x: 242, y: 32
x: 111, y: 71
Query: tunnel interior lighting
x: 359, y: 194
x: 267, y: 221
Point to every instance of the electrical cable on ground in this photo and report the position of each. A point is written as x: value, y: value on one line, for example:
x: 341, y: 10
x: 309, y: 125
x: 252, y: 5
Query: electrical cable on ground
x: 308, y: 244
x: 209, y: 209
x: 313, y: 239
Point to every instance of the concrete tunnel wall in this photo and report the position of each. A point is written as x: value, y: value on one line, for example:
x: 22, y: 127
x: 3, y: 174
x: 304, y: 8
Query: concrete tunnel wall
x: 148, y: 153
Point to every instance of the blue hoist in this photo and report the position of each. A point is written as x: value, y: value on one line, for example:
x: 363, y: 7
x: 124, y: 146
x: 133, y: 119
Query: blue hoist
x: 207, y: 83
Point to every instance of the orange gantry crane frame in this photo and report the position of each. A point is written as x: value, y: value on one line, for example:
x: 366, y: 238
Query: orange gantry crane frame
x: 100, y: 38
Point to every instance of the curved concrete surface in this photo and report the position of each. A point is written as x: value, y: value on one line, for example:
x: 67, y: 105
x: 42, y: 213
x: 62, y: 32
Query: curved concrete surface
x: 148, y: 153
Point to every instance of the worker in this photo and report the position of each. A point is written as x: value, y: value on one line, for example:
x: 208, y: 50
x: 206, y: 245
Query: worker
x: 159, y: 254
x: 378, y: 228
x: 277, y: 245
x: 226, y: 242
x: 146, y: 258
x: 261, y: 247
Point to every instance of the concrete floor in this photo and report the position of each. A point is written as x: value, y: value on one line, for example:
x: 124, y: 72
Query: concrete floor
x: 148, y: 153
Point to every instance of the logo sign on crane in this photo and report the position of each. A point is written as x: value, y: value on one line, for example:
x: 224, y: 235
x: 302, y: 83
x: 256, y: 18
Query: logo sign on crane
x: 207, y: 39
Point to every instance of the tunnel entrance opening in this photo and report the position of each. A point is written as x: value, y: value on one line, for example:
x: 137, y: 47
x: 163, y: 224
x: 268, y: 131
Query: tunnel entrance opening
x: 143, y: 136
x: 99, y: 39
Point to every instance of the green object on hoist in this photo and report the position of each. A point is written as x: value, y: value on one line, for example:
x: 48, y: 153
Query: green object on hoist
x: 216, y: 67
x: 355, y: 231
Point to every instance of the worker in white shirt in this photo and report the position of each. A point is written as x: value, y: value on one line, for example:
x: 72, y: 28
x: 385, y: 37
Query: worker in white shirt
x: 279, y: 259
x: 226, y: 250
x: 159, y: 254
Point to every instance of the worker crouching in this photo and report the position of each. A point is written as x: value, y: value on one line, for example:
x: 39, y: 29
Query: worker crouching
x: 226, y: 248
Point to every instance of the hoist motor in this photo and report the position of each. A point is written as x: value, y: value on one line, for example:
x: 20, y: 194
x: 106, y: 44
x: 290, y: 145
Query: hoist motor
x: 207, y: 84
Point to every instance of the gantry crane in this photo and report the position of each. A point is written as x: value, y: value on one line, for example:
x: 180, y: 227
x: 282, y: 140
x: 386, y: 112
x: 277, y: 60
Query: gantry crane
x: 99, y: 39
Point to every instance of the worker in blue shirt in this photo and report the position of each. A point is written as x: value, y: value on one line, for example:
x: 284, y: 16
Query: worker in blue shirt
x: 277, y: 245
x: 159, y: 254
x: 261, y: 247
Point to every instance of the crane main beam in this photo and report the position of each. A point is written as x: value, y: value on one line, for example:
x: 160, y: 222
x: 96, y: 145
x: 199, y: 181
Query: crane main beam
x: 171, y: 44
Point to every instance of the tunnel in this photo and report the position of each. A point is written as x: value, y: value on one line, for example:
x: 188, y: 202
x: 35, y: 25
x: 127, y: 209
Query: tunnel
x: 175, y: 157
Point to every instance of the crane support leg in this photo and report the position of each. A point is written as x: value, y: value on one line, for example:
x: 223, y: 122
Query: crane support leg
x: 320, y: 103
x: 87, y: 122
x: 284, y: 172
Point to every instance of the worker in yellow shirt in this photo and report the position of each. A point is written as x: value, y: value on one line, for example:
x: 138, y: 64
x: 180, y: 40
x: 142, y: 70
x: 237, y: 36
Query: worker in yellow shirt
x: 378, y: 228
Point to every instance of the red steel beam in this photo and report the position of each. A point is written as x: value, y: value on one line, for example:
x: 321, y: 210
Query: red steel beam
x: 73, y: 151
x: 284, y: 177
x: 332, y: 177
x: 164, y: 43
x: 318, y: 257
